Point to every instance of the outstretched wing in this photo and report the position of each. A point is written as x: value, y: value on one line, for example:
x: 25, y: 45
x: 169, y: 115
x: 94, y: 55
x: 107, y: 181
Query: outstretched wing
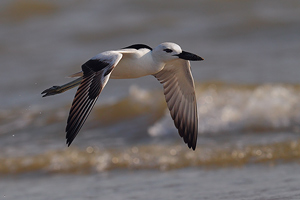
x: 179, y: 92
x: 96, y: 73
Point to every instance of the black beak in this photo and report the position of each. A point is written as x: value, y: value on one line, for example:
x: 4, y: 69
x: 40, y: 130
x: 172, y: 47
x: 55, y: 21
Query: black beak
x: 189, y: 56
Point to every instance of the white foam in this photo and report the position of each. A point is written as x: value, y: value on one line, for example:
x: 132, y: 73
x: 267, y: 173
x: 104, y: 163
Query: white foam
x: 236, y: 109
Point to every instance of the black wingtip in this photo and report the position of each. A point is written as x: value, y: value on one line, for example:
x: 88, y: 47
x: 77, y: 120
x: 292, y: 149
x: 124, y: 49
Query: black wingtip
x: 193, y: 147
x: 69, y: 137
x: 193, y: 142
x: 69, y: 141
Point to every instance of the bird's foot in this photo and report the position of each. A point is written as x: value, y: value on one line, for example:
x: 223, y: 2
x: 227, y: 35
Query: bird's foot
x: 52, y: 91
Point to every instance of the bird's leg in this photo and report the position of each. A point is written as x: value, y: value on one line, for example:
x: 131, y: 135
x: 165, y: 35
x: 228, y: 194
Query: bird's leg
x: 60, y: 89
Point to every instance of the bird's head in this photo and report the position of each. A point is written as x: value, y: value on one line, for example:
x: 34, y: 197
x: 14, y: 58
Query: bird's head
x: 169, y: 51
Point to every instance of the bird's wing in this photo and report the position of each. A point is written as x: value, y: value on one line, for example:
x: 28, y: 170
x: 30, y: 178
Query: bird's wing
x: 96, y: 73
x: 179, y: 92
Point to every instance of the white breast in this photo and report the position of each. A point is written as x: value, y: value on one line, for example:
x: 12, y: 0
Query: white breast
x: 135, y: 64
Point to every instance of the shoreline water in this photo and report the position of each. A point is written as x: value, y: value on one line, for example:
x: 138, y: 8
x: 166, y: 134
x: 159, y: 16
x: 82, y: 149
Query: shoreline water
x: 248, y: 94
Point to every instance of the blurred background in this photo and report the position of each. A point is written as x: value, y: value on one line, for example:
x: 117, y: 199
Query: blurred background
x: 247, y: 89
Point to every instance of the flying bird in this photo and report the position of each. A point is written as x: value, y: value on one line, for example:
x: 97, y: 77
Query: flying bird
x: 166, y: 62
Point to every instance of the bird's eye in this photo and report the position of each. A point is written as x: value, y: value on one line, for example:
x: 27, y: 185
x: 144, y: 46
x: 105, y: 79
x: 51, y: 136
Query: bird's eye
x: 168, y: 50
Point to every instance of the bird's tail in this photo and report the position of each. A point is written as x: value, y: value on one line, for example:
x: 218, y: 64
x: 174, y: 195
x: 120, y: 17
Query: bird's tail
x: 60, y: 89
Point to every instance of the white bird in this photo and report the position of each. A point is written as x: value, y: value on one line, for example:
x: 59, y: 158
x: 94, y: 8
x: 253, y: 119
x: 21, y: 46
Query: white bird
x: 167, y: 62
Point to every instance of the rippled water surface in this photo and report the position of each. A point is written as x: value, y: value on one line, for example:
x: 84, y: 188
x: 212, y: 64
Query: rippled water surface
x: 247, y: 88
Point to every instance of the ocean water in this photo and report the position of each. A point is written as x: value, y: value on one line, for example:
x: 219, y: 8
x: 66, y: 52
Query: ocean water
x: 247, y: 88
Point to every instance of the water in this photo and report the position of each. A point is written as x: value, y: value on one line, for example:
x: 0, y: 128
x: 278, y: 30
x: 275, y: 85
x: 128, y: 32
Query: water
x: 247, y: 93
x: 250, y: 182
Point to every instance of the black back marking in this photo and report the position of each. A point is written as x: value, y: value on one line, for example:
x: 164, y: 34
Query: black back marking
x: 95, y: 65
x: 138, y: 46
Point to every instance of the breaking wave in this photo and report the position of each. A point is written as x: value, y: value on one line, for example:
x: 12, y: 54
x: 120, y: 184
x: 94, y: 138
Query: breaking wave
x: 157, y: 157
x: 221, y: 108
